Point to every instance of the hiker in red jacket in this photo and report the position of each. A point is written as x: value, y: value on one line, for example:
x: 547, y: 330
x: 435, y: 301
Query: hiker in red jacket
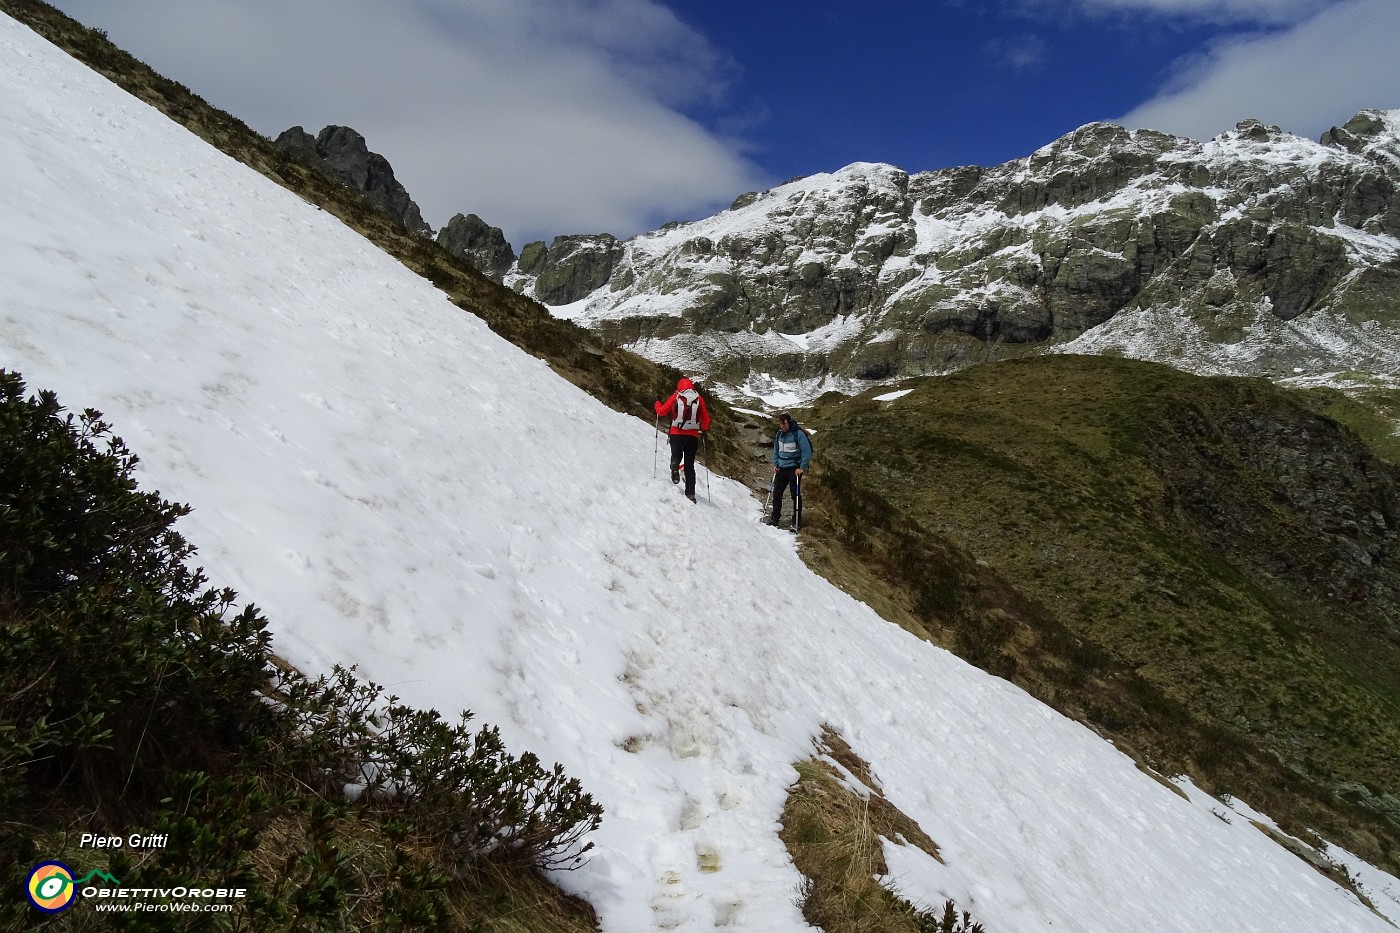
x: 689, y: 419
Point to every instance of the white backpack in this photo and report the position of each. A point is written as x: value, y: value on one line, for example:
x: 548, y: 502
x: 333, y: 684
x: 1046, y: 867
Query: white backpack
x: 687, y: 411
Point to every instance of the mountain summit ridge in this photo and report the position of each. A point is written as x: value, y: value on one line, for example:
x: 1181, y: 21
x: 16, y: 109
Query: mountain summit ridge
x: 1277, y: 255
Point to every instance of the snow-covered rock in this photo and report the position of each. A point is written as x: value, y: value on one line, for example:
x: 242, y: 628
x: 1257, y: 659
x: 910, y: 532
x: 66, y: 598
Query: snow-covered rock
x: 1255, y: 253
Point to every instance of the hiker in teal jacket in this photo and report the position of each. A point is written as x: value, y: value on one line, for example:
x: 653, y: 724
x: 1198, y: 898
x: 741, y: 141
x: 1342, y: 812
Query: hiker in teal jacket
x: 792, y: 451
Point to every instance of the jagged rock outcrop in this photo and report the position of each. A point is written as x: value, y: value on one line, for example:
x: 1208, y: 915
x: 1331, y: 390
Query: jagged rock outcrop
x: 1256, y: 252
x: 479, y: 243
x: 570, y: 268
x: 344, y: 155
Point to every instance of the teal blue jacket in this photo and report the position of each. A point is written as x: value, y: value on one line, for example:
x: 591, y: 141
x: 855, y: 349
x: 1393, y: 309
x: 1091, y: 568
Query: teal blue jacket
x: 791, y: 448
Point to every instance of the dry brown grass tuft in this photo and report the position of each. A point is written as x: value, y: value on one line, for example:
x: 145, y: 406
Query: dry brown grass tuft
x: 834, y: 822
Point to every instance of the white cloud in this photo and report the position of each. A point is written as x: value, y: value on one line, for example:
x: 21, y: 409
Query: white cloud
x: 1217, y: 11
x: 1020, y: 53
x: 1305, y: 79
x: 542, y: 116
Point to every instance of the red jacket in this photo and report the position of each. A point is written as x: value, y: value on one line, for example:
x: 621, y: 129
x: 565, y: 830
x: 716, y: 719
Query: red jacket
x: 695, y: 411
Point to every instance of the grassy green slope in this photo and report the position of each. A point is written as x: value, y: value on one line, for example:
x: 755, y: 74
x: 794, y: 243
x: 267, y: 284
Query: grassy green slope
x: 1371, y: 411
x: 1203, y: 569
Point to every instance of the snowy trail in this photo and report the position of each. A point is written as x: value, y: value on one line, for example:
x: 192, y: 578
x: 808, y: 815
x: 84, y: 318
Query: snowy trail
x: 398, y: 488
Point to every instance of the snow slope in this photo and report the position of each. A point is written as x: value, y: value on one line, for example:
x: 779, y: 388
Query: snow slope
x: 398, y: 488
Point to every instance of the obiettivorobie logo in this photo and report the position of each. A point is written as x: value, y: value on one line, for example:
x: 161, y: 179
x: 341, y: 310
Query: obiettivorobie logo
x: 53, y: 889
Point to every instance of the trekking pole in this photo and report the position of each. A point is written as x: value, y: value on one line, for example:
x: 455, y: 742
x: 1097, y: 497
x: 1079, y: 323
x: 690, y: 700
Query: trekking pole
x: 705, y: 452
x: 797, y: 503
x: 655, y: 445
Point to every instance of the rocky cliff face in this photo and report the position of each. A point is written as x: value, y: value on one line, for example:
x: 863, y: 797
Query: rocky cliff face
x: 344, y: 155
x: 570, y: 269
x: 1255, y: 253
x: 479, y: 243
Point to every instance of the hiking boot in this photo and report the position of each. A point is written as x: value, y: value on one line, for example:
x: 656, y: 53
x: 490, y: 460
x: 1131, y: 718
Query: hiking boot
x: 690, y: 496
x: 675, y: 475
x: 771, y: 520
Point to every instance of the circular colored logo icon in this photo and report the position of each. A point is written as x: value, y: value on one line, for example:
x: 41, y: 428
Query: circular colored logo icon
x: 50, y: 887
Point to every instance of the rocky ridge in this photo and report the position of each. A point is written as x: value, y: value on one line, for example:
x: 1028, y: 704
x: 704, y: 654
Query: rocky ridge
x: 344, y: 155
x: 1254, y: 253
x: 479, y: 243
x: 570, y: 268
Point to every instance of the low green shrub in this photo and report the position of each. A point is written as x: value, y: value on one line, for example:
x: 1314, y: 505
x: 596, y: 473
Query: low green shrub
x: 132, y: 694
x: 949, y: 920
x: 463, y: 791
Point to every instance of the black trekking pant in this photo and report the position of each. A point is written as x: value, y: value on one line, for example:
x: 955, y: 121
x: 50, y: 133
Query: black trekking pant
x: 785, y: 477
x: 683, y: 448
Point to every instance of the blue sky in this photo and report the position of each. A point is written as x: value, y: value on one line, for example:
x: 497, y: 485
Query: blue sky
x: 548, y: 117
x: 925, y: 85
